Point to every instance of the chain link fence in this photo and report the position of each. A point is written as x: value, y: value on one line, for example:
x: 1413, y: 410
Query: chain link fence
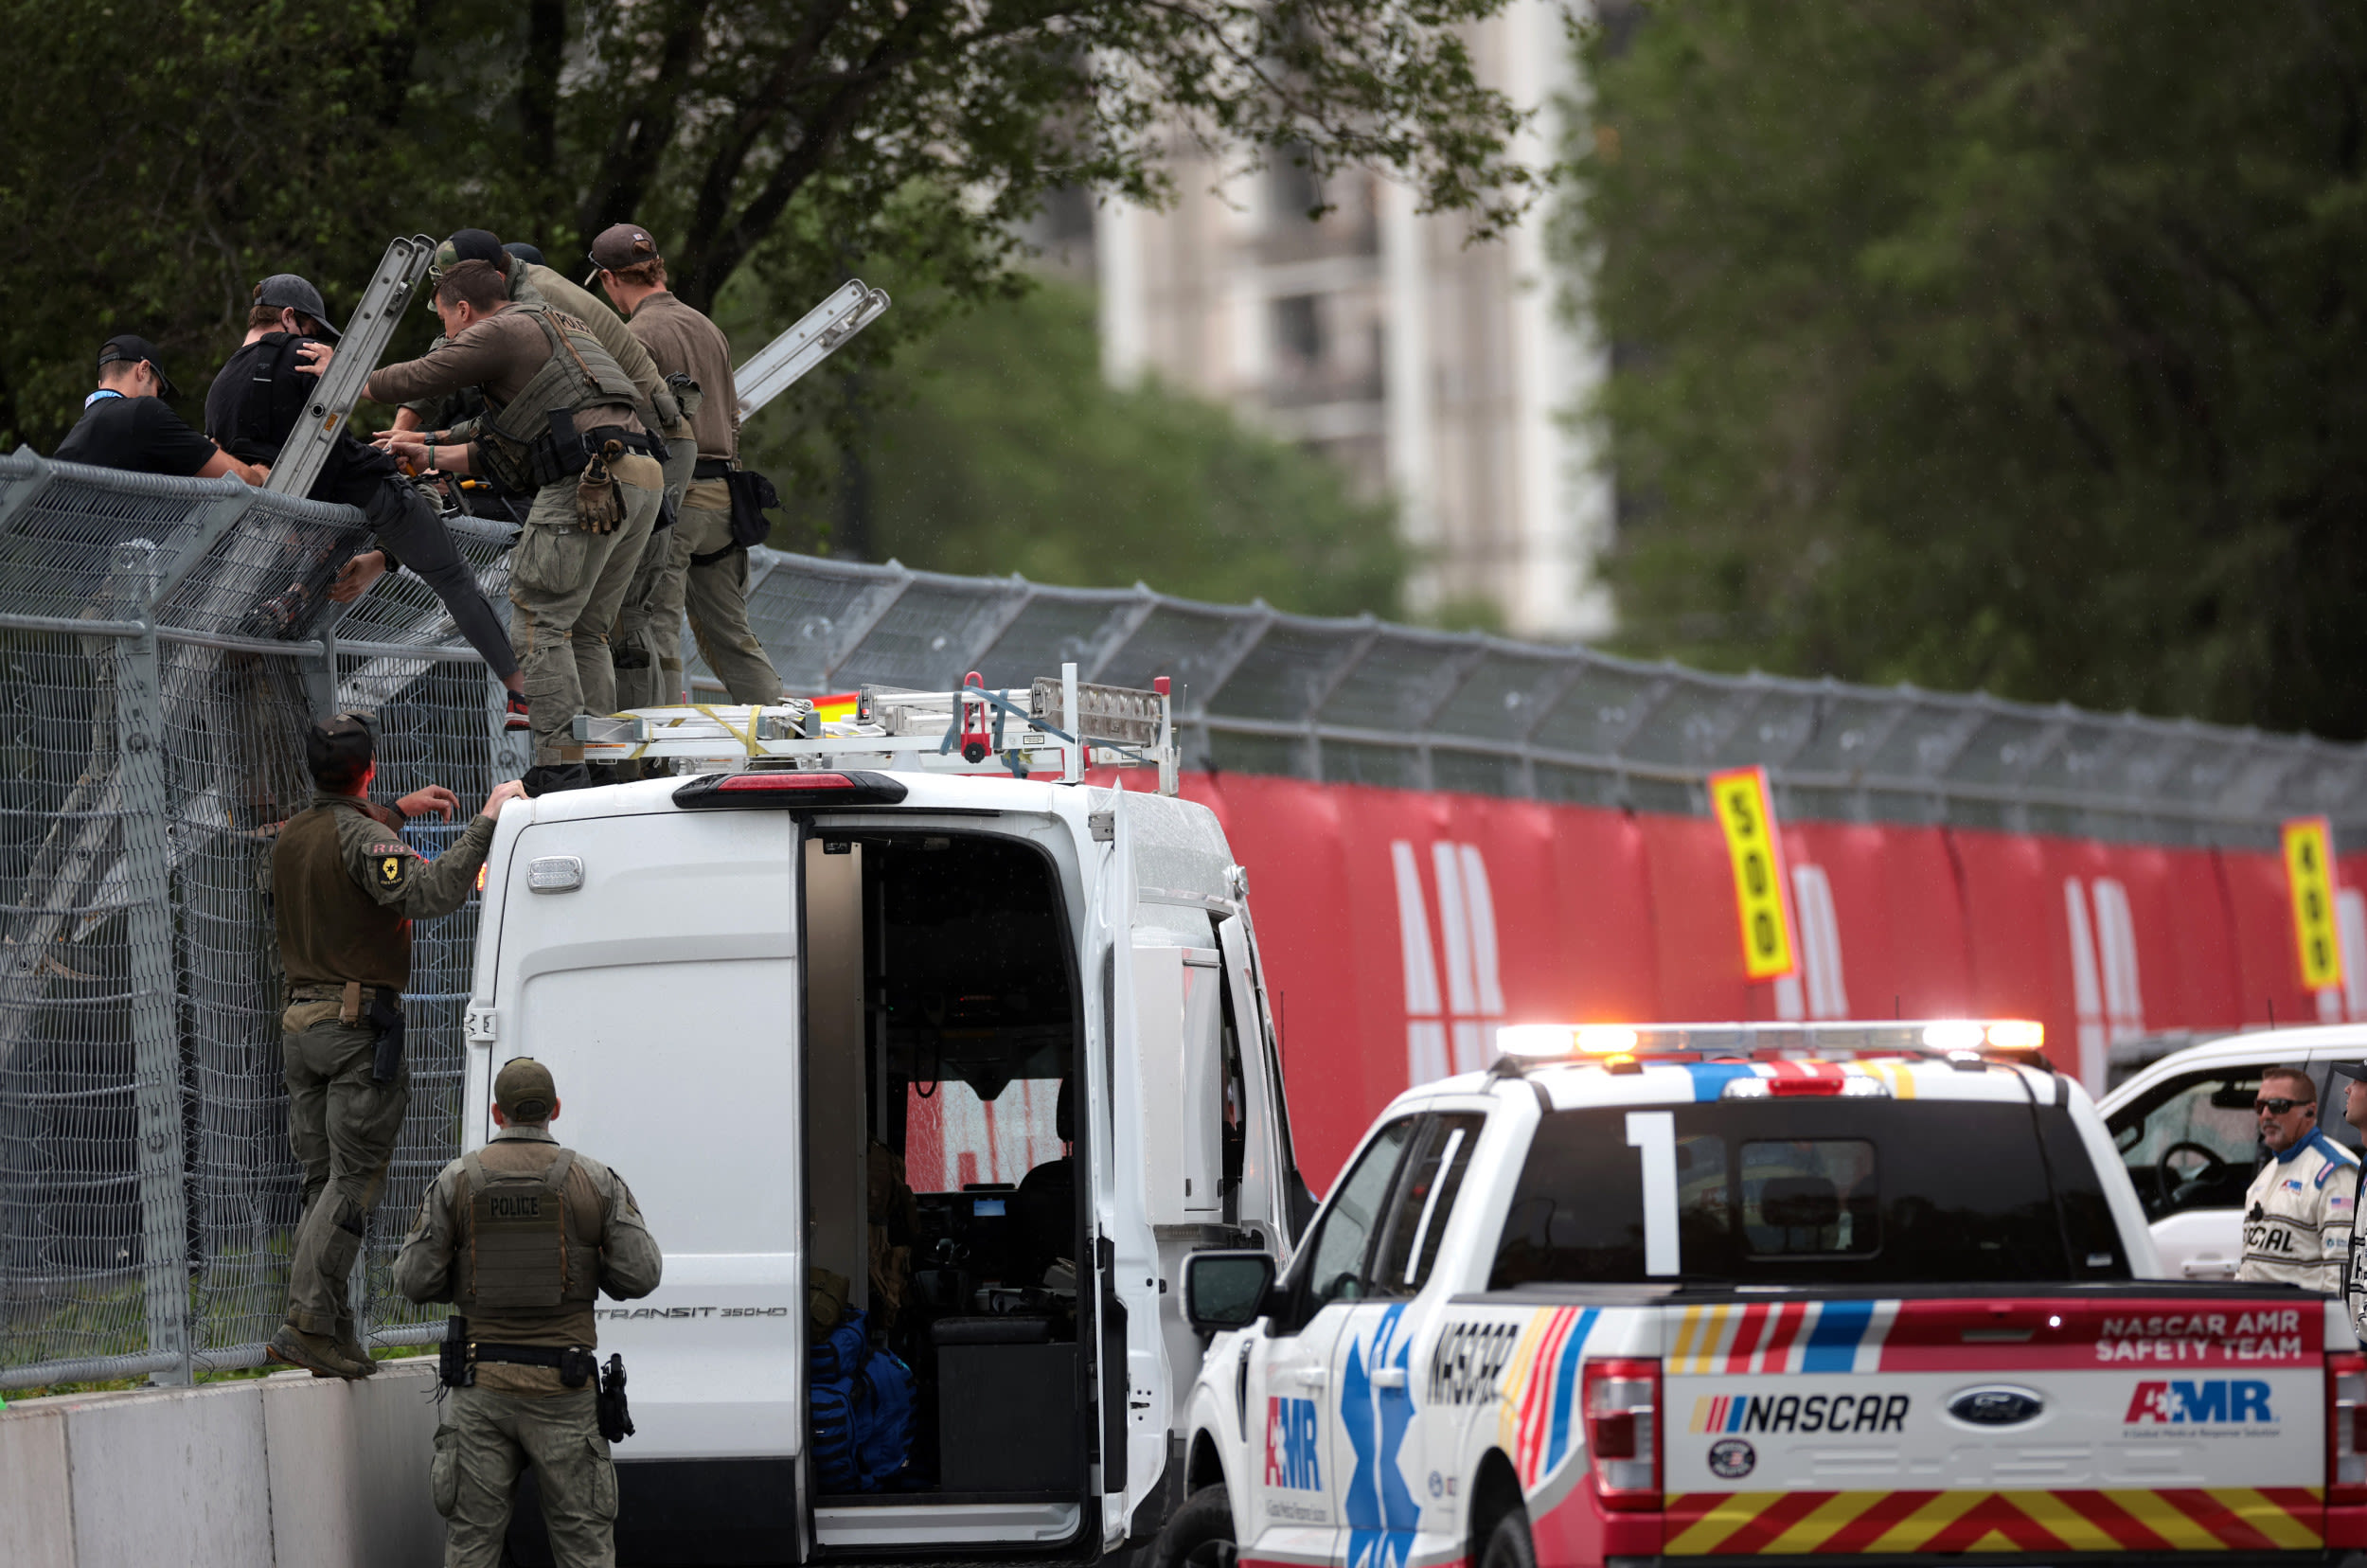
x: 1361, y: 702
x: 163, y: 643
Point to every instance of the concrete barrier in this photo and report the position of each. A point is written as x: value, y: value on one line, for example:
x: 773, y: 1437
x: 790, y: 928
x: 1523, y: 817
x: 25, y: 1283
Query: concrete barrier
x: 291, y: 1471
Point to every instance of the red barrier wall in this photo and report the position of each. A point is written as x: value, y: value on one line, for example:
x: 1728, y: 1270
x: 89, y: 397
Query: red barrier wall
x: 1399, y: 927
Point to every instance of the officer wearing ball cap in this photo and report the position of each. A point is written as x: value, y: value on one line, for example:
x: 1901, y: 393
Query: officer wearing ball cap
x: 530, y: 282
x: 521, y: 1236
x: 698, y: 562
x: 2354, y: 1077
x: 345, y: 890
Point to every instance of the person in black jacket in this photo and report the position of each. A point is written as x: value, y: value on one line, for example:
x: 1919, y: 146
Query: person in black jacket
x: 254, y: 405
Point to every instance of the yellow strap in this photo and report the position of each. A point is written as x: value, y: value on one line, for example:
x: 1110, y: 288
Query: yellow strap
x: 747, y: 737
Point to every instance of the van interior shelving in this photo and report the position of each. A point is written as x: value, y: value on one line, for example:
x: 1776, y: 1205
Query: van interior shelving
x: 943, y: 1029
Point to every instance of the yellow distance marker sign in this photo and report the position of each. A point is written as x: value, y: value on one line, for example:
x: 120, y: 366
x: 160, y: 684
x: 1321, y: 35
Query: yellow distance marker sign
x: 1748, y: 817
x: 2309, y: 872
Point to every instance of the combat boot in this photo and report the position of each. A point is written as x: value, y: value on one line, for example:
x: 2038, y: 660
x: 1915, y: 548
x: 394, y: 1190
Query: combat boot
x: 350, y: 1345
x: 315, y: 1353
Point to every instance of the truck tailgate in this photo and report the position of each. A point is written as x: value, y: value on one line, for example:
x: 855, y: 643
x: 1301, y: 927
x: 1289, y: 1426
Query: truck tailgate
x: 2032, y: 1425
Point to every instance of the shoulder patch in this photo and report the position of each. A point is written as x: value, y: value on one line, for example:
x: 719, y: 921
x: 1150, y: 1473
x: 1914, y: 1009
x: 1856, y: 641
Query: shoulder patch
x: 390, y: 869
x: 390, y: 848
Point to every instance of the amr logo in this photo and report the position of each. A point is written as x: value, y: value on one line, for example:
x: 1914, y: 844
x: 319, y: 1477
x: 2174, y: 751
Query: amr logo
x: 1473, y: 1002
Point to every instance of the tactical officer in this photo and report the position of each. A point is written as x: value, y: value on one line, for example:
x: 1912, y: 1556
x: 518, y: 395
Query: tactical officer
x: 530, y: 282
x: 344, y: 889
x: 253, y: 406
x: 697, y: 560
x: 521, y: 1237
x: 562, y: 424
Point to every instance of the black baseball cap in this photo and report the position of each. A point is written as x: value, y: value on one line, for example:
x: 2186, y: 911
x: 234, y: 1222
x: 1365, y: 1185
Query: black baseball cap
x: 285, y: 291
x: 341, y: 747
x: 470, y: 245
x: 2351, y: 1070
x: 131, y: 349
x: 523, y: 252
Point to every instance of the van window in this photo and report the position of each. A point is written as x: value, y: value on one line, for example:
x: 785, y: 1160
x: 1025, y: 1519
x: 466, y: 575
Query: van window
x: 2191, y: 1143
x: 1812, y: 1192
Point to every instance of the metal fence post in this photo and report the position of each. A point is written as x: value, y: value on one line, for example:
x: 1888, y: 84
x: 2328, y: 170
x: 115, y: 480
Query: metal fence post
x: 155, y: 1031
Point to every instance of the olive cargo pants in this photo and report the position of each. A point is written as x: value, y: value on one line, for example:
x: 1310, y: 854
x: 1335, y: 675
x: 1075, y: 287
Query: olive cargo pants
x: 482, y: 1442
x: 716, y: 595
x: 343, y: 1125
x: 567, y: 584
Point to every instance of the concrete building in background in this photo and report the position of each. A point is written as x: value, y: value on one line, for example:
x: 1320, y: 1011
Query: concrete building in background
x: 1440, y: 372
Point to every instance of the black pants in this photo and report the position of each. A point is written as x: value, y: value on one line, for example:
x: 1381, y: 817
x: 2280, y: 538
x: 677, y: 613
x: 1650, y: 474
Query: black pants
x: 408, y: 526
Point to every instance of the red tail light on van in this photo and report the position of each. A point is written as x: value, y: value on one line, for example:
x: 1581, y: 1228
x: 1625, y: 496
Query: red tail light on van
x: 1621, y: 1399
x: 2346, y: 1429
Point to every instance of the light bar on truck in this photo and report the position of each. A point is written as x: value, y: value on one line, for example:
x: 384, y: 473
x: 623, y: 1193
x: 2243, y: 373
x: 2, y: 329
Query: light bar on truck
x: 1889, y: 1037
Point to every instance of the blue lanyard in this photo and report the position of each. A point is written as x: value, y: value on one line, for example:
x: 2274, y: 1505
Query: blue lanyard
x: 102, y: 392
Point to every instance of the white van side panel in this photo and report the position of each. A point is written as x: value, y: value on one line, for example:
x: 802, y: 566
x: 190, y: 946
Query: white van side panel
x: 663, y: 996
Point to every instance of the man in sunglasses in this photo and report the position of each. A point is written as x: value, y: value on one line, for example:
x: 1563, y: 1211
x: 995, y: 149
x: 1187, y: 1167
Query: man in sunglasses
x: 2298, y: 1215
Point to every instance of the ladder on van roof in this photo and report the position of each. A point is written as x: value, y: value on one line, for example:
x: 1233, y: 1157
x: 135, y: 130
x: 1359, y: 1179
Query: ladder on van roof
x: 1059, y: 726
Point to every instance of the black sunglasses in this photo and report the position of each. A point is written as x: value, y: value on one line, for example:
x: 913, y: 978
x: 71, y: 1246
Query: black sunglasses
x: 2278, y: 1107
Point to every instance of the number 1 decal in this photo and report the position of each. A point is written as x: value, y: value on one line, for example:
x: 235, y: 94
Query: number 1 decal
x: 1653, y: 1136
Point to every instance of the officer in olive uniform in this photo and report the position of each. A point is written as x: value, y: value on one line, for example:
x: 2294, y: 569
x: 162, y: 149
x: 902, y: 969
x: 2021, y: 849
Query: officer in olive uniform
x: 521, y: 1236
x: 698, y: 562
x: 565, y: 424
x: 345, y: 890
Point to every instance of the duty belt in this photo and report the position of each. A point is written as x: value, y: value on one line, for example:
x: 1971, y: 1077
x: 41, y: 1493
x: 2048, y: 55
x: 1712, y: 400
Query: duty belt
x: 575, y: 1365
x: 336, y: 993
x: 711, y: 468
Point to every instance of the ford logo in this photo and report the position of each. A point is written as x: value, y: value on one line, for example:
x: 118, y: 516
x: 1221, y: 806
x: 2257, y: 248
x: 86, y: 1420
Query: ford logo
x: 1995, y: 1406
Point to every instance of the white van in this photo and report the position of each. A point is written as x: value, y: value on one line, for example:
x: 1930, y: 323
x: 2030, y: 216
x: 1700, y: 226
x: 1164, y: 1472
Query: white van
x: 761, y: 993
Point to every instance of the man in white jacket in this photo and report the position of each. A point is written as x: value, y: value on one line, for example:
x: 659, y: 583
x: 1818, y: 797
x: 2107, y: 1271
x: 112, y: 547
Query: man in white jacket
x: 2298, y: 1215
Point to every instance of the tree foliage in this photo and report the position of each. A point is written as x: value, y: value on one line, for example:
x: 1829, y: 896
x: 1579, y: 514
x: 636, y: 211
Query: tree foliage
x: 2016, y: 345
x: 998, y: 449
x: 161, y: 155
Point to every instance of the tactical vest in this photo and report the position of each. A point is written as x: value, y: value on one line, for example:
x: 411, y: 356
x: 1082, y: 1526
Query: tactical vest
x: 331, y: 929
x: 521, y: 1263
x: 531, y: 440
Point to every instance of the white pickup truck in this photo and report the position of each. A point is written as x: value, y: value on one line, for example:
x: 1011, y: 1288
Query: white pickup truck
x: 1863, y: 1292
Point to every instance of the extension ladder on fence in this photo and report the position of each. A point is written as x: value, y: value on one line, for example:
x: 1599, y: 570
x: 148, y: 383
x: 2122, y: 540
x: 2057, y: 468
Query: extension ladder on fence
x: 819, y: 334
x: 357, y: 351
x: 1062, y: 726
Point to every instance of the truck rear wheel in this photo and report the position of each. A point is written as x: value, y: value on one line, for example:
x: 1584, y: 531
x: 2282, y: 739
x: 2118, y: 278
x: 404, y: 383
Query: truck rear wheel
x: 1508, y: 1544
x: 1198, y: 1533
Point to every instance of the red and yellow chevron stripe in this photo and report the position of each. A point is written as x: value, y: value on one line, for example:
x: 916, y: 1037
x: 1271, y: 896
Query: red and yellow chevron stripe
x: 1790, y: 1523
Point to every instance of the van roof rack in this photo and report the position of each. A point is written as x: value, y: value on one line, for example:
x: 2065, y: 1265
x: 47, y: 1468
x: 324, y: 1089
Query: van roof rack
x: 1059, y: 726
x: 1962, y: 1041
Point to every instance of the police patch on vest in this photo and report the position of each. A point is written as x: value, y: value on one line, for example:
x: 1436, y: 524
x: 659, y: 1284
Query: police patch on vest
x: 512, y: 1206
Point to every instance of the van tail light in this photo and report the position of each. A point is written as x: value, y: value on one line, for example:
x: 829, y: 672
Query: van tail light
x: 1620, y: 1397
x: 2346, y: 1429
x: 787, y: 788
